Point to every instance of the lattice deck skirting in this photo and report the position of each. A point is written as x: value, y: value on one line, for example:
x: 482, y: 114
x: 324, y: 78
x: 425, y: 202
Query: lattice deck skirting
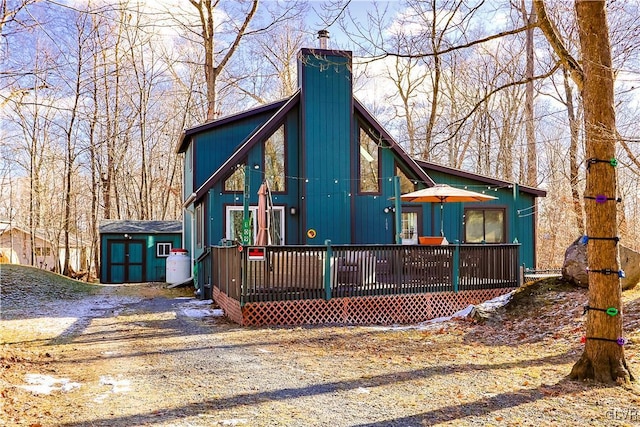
x: 381, y: 310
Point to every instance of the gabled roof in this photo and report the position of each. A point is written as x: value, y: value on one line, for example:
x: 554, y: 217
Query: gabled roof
x: 270, y: 126
x: 183, y: 142
x: 477, y: 177
x: 395, y: 147
x: 254, y: 138
x: 139, y: 227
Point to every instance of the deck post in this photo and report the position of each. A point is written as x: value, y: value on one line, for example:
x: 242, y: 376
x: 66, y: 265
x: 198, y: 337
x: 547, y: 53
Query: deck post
x: 398, y: 209
x: 455, y: 273
x: 327, y: 270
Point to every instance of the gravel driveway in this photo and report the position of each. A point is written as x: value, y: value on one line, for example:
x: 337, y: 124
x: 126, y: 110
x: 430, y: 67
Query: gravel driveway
x: 147, y: 356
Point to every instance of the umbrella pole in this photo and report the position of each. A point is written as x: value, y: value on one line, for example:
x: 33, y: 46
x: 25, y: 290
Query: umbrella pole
x: 441, y: 219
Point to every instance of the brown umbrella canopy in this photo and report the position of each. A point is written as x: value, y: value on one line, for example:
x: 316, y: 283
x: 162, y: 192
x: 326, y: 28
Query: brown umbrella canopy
x: 262, y: 239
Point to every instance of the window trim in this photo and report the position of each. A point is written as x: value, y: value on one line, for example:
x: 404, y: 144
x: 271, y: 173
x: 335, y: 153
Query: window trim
x: 199, y: 228
x: 405, y: 209
x: 254, y: 210
x: 282, y: 126
x: 502, y: 209
x: 228, y: 175
x: 163, y: 245
x: 398, y: 168
x: 361, y: 129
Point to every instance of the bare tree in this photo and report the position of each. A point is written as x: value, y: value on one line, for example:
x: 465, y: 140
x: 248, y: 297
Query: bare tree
x: 213, y: 67
x: 603, y: 358
x: 532, y: 159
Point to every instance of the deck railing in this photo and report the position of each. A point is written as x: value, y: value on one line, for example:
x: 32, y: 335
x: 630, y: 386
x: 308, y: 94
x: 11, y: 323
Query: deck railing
x: 280, y: 273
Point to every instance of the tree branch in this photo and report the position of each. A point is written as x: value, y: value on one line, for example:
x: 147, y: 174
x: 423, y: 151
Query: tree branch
x: 239, y: 35
x: 549, y: 30
x: 499, y: 88
x: 457, y: 47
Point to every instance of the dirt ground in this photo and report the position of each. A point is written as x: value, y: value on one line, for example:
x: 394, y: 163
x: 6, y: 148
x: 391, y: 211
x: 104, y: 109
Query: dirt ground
x: 148, y: 356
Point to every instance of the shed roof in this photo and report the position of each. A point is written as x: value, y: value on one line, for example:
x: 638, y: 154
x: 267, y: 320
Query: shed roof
x: 140, y: 227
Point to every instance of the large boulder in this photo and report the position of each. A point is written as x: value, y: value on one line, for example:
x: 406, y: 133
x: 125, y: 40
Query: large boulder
x: 574, y: 268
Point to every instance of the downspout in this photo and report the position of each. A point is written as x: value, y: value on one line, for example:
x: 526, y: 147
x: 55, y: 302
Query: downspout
x: 192, y: 248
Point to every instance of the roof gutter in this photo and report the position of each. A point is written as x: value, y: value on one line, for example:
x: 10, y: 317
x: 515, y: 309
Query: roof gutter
x: 190, y: 199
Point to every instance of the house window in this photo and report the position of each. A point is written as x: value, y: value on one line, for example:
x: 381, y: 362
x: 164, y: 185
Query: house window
x: 369, y: 164
x: 406, y: 185
x: 199, y: 226
x: 163, y: 250
x: 274, y: 166
x: 275, y: 224
x: 484, y: 226
x: 235, y: 182
x: 40, y: 251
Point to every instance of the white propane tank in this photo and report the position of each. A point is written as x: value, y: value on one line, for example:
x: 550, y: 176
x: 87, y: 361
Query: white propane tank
x: 178, y: 266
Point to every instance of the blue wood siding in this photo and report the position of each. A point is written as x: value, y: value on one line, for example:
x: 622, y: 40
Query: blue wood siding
x: 326, y: 110
x: 519, y: 227
x: 212, y: 149
x: 187, y: 187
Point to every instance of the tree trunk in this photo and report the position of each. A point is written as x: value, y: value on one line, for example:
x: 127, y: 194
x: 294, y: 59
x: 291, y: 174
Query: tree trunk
x: 532, y: 154
x: 574, y: 165
x: 603, y: 359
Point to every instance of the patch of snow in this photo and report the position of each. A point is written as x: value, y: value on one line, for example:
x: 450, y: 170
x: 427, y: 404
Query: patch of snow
x: 87, y: 307
x: 196, y: 302
x: 487, y: 306
x: 45, y: 384
x: 117, y: 386
x: 233, y: 421
x: 362, y: 390
x: 200, y: 308
x: 497, y: 302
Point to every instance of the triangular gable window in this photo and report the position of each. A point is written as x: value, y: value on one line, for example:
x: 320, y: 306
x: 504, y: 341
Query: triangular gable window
x: 406, y: 184
x: 235, y: 181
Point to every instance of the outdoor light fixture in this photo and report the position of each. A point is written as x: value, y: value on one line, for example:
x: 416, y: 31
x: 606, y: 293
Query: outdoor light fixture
x: 256, y: 166
x: 293, y: 210
x: 389, y: 209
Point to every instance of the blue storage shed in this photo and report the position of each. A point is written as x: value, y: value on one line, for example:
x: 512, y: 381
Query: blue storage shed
x: 136, y: 251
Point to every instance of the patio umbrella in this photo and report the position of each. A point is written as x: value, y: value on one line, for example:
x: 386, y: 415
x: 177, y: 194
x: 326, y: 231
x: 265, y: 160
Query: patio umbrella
x: 443, y: 193
x: 262, y: 239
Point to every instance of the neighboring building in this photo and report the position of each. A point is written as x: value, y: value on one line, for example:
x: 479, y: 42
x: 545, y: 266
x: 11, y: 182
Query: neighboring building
x: 330, y: 169
x: 136, y: 251
x: 15, y: 248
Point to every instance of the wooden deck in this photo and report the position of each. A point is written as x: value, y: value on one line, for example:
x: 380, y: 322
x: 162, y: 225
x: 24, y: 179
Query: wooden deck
x: 356, y: 284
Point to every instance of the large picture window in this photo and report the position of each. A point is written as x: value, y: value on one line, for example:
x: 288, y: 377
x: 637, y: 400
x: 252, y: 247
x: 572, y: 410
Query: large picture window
x: 274, y: 161
x: 369, y: 164
x: 484, y: 226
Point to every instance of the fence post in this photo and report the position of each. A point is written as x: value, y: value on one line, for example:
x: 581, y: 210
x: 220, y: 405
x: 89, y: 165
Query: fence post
x: 327, y: 270
x: 456, y: 267
x: 243, y: 275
